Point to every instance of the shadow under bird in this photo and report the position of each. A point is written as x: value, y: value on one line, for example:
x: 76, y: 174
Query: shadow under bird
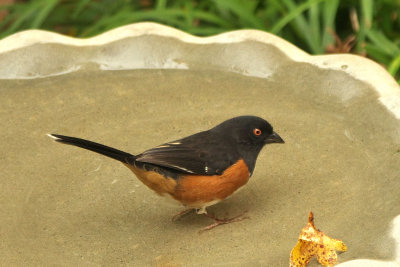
x: 199, y: 170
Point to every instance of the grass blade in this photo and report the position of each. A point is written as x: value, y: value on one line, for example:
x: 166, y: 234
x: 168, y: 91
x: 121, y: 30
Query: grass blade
x: 44, y: 8
x: 79, y: 7
x: 295, y: 14
x: 18, y: 18
x: 213, y: 19
x: 367, y: 7
x: 244, y: 11
x: 394, y: 66
x: 314, y: 22
x: 377, y: 54
x: 161, y: 4
x: 328, y: 17
x: 383, y: 43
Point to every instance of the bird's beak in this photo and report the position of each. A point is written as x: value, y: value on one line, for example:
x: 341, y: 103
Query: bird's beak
x: 274, y: 138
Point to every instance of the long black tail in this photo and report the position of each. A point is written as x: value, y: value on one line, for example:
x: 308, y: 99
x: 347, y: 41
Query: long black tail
x: 95, y: 147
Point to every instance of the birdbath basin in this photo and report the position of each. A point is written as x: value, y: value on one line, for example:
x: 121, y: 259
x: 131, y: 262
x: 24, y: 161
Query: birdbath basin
x: 144, y: 84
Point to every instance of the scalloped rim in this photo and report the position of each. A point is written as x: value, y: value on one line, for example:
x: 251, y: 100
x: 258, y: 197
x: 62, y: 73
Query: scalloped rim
x: 359, y: 67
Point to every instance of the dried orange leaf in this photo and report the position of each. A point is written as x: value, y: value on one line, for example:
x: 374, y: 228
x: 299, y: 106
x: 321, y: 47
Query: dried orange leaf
x: 313, y: 242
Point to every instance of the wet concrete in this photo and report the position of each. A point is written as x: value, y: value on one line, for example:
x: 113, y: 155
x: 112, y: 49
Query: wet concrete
x: 61, y: 205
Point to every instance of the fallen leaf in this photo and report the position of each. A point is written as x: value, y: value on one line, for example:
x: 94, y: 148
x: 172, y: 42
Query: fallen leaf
x: 313, y: 242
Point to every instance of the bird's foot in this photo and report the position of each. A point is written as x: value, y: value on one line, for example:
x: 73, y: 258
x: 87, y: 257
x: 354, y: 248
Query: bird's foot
x: 219, y: 222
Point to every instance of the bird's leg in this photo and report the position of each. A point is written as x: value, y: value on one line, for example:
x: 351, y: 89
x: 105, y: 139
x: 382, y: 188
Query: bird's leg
x: 176, y: 217
x: 219, y: 222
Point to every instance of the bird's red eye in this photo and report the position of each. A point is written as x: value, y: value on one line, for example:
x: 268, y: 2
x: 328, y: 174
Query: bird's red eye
x: 257, y: 132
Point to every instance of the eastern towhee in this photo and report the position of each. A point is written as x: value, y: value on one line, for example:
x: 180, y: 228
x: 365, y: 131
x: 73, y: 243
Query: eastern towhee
x: 199, y: 170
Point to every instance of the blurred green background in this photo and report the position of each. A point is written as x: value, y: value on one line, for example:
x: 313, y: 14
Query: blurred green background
x: 365, y: 27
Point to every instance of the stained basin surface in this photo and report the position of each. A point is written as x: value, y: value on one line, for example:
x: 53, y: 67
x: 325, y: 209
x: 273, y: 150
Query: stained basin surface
x: 61, y: 205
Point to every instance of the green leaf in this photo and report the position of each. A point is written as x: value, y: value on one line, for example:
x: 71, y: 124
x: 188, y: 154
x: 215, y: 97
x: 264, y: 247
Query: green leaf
x: 244, y: 10
x: 377, y: 54
x: 394, y: 66
x: 18, y: 18
x: 314, y: 23
x: 44, y: 8
x: 299, y: 24
x: 328, y: 17
x: 383, y: 43
x: 296, y: 14
x: 212, y: 18
x: 161, y: 4
x: 367, y: 7
x: 188, y: 14
x: 79, y: 7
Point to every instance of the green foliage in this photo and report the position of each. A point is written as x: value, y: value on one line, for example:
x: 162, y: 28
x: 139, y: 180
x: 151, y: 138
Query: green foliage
x: 309, y: 24
x: 374, y: 35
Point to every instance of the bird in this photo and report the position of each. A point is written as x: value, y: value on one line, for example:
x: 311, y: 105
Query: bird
x: 199, y: 170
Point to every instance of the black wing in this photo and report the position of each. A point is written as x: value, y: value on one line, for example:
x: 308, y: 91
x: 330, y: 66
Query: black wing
x: 203, y: 154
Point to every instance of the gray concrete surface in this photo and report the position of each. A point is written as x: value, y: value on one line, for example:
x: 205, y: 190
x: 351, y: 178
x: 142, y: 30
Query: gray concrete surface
x: 64, y: 206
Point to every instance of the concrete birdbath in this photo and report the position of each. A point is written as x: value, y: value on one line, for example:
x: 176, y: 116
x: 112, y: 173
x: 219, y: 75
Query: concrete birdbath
x: 141, y: 85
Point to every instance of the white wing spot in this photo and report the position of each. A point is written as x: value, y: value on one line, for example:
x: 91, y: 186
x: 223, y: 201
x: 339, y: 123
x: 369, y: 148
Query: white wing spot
x: 162, y: 146
x: 181, y: 168
x: 168, y: 145
x: 175, y: 143
x: 53, y: 137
